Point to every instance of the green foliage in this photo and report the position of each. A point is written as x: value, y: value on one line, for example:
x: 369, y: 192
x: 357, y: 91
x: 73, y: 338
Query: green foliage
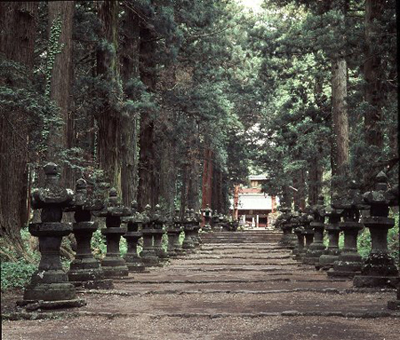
x: 98, y: 245
x: 16, y: 274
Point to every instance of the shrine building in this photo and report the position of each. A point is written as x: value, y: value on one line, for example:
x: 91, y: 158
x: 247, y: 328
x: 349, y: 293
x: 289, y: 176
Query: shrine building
x: 251, y: 206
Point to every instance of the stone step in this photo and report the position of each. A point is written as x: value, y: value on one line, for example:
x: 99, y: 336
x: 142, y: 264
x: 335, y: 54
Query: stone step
x: 248, y: 236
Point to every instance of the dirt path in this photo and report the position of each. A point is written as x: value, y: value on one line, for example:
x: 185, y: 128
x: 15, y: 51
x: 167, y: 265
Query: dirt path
x: 225, y: 291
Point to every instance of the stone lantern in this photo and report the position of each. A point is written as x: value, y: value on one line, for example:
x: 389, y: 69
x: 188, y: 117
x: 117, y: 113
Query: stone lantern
x: 85, y: 271
x: 134, y: 233
x: 176, y: 230
x: 49, y: 287
x: 349, y: 262
x: 113, y: 264
x: 298, y: 229
x: 379, y: 269
x: 393, y: 195
x: 207, y: 218
x: 148, y: 254
x: 158, y: 233
x: 197, y: 226
x: 188, y: 225
x: 316, y: 248
x: 215, y: 220
x: 308, y: 231
x: 172, y: 235
x: 283, y: 223
x: 331, y: 254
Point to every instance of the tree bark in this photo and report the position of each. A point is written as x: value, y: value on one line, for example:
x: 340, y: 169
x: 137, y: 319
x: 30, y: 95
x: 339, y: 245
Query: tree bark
x: 148, y: 190
x: 109, y: 119
x: 207, y: 179
x: 17, y: 39
x: 130, y: 69
x: 340, y: 124
x: 61, y: 138
x: 373, y: 73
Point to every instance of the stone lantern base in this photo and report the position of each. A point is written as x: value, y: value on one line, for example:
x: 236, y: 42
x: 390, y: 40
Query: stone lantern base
x: 113, y: 264
x: 85, y: 271
x: 148, y: 254
x: 327, y: 260
x: 132, y: 259
x: 49, y: 287
x: 158, y: 248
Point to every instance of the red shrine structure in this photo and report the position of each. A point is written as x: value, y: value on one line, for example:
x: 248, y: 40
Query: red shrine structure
x: 251, y: 206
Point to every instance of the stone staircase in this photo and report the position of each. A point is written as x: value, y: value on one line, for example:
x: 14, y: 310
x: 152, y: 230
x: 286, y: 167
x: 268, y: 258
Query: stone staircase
x: 246, y: 236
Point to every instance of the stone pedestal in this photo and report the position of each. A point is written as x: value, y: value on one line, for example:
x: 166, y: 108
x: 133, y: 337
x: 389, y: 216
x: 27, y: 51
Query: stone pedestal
x: 188, y: 245
x: 331, y: 254
x: 395, y: 304
x: 132, y: 259
x: 148, y: 254
x: 85, y: 271
x: 309, y: 237
x: 173, y: 237
x: 207, y: 218
x: 300, y: 242
x: 349, y: 262
x: 113, y: 264
x: 379, y: 269
x: 158, y: 248
x: 316, y: 248
x: 50, y: 282
x: 49, y: 286
x: 195, y: 236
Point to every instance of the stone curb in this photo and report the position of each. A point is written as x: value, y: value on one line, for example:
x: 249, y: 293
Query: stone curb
x: 61, y: 315
x: 252, y: 292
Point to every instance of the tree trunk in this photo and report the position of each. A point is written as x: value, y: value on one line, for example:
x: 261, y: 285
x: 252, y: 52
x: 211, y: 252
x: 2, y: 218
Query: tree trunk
x: 207, y: 178
x: 340, y: 124
x: 130, y: 69
x: 109, y: 118
x: 17, y: 38
x: 148, y: 190
x: 315, y: 171
x: 61, y: 16
x: 373, y: 73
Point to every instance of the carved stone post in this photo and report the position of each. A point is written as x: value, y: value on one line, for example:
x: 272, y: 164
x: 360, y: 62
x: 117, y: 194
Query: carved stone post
x: 49, y: 286
x: 349, y: 262
x: 379, y: 269
x: 331, y: 254
x: 85, y: 271
x: 148, y: 254
x: 113, y: 264
x: 316, y: 248
x: 158, y: 233
x: 188, y: 244
x: 207, y: 218
x: 132, y: 236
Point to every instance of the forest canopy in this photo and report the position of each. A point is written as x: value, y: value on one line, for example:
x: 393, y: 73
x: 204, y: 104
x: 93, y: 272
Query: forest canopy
x: 174, y: 102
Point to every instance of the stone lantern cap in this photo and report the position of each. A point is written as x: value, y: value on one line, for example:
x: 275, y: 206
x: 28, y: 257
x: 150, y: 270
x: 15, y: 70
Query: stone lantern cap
x: 207, y: 210
x: 146, y: 214
x: 379, y: 200
x: 158, y: 217
x: 81, y: 199
x: 393, y: 196
x: 52, y: 193
x: 113, y: 207
x: 318, y: 210
x: 134, y: 216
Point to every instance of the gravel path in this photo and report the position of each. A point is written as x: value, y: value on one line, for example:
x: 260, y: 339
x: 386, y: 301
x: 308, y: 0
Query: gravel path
x: 225, y: 291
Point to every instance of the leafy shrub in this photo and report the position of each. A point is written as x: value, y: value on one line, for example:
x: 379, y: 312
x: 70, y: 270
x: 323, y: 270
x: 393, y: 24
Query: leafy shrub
x: 16, y: 274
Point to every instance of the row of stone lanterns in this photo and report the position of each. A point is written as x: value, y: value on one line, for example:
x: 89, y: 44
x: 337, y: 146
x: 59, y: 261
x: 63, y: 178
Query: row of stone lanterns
x: 51, y: 287
x: 348, y: 214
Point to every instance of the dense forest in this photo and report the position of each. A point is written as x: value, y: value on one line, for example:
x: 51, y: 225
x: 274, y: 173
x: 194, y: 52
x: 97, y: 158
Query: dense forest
x: 174, y: 101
